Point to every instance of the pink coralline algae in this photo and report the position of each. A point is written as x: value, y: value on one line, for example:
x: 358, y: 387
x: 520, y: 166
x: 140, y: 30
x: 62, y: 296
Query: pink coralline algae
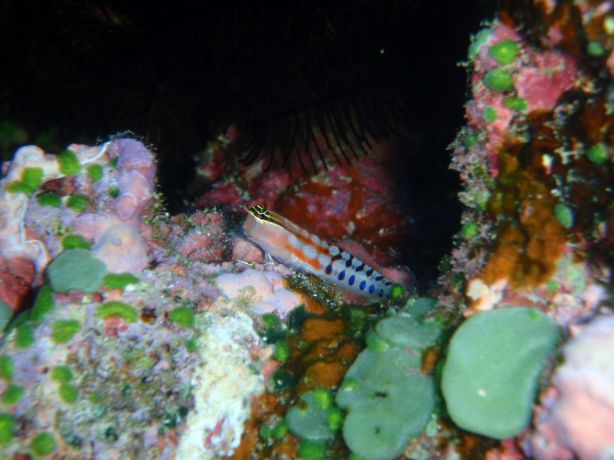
x: 537, y: 77
x: 264, y: 291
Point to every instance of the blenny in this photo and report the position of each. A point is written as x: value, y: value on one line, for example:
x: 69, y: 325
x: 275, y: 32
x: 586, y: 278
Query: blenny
x: 296, y: 247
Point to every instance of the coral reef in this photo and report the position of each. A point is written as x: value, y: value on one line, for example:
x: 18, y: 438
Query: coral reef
x: 120, y: 356
x: 130, y: 333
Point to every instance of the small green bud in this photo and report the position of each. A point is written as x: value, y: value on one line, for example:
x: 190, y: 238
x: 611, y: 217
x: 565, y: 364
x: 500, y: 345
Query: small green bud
x: 598, y: 153
x: 69, y: 163
x: 504, y: 52
x: 498, y: 80
x: 564, y: 215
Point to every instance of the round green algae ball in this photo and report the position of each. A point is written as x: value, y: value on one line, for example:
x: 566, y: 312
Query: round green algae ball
x: 7, y: 427
x: 76, y: 270
x: 498, y: 80
x: 598, y: 153
x: 564, y: 215
x: 43, y: 444
x: 504, y: 52
x: 491, y: 373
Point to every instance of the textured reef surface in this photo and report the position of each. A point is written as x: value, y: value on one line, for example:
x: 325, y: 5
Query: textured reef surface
x: 127, y: 332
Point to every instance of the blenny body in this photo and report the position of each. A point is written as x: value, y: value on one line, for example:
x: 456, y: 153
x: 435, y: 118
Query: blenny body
x: 294, y: 246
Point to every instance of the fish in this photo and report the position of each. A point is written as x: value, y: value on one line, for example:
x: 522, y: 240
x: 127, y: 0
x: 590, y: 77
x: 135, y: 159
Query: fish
x: 296, y: 247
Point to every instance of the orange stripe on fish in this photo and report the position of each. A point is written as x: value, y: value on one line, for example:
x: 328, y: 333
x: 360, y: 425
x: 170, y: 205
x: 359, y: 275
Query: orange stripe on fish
x: 296, y: 247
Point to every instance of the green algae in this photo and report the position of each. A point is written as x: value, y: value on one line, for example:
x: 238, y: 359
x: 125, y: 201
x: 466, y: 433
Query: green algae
x: 490, y: 114
x: 310, y: 450
x: 43, y: 304
x: 113, y: 192
x: 282, y: 351
x: 32, y: 177
x: 50, y: 199
x: 309, y: 420
x: 24, y: 335
x: 43, y: 444
x: 119, y: 280
x: 491, y: 373
x: 598, y: 154
x: 75, y: 242
x: 504, y: 52
x: 183, y: 316
x: 76, y: 270
x: 64, y: 330
x: 68, y: 393
x: 13, y: 394
x: 498, y: 80
x: 69, y: 163
x: 564, y: 215
x: 7, y: 367
x: 61, y: 374
x: 19, y: 187
x: 78, y: 202
x: 469, y: 230
x: 6, y: 313
x: 595, y: 49
x: 516, y: 103
x: 95, y: 172
x: 118, y: 310
x: 7, y: 427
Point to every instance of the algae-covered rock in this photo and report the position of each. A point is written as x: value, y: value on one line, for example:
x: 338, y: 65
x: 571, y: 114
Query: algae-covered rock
x: 491, y: 373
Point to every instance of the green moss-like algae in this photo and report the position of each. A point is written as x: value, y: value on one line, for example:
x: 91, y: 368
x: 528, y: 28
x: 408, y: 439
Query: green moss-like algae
x: 119, y: 310
x: 75, y: 242
x: 13, y: 394
x: 7, y: 427
x: 32, y: 177
x: 7, y: 367
x: 43, y: 444
x: 64, y: 330
x: 492, y: 369
x: 50, y: 199
x: 61, y: 374
x: 78, y: 202
x: 43, y: 304
x: 182, y: 316
x: 504, y: 52
x: 69, y: 163
x: 95, y: 172
x: 498, y: 80
x: 24, y: 335
x: 119, y: 280
x: 68, y: 393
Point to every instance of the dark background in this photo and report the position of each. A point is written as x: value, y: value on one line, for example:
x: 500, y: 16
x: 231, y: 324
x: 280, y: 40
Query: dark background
x: 79, y: 71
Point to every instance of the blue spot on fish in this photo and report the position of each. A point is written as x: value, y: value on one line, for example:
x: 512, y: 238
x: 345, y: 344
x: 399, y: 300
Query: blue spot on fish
x: 351, y: 280
x: 362, y: 285
x: 371, y: 289
x: 329, y: 269
x: 369, y: 272
x: 341, y: 275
